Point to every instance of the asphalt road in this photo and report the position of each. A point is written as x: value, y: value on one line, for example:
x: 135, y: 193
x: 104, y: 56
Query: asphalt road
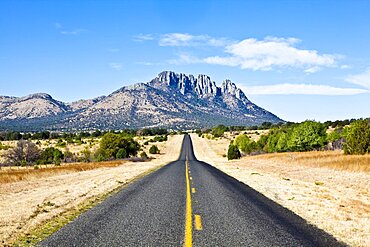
x: 189, y: 203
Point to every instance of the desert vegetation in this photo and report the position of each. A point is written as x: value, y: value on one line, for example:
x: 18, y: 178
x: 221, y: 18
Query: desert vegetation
x: 41, y: 148
x: 308, y: 136
x: 328, y: 188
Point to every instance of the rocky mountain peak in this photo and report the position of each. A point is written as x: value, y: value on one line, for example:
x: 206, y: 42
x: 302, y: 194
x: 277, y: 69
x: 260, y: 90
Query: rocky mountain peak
x: 201, y: 86
x: 230, y: 88
x: 173, y: 100
x: 44, y: 96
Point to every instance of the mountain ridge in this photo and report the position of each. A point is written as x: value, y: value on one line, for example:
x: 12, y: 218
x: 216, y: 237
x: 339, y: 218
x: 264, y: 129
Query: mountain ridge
x: 170, y: 100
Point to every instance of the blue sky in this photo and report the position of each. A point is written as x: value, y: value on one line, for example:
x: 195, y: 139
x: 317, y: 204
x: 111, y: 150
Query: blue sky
x: 298, y: 59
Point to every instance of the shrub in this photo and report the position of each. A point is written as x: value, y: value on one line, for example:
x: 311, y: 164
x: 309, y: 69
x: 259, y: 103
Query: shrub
x: 307, y: 136
x: 111, y: 143
x: 4, y: 147
x: 61, y: 143
x: 219, y: 130
x: 245, y: 144
x: 233, y: 152
x: 143, y: 155
x: 357, y: 138
x: 154, y: 150
x: 69, y: 156
x: 121, y: 154
x: 51, y: 155
x: 160, y: 138
x: 24, y: 153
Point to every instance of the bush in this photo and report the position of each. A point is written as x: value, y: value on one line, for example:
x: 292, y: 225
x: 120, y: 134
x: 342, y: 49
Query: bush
x: 69, y: 156
x: 233, y: 152
x: 307, y: 136
x: 245, y: 144
x: 357, y: 138
x: 4, y: 147
x: 85, y: 155
x: 121, y: 154
x: 219, y: 130
x: 160, y: 138
x: 111, y: 143
x: 154, y: 150
x: 143, y: 155
x: 61, y: 143
x: 51, y: 155
x: 24, y: 153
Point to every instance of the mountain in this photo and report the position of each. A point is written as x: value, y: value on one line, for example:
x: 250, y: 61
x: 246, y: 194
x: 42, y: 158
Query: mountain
x: 170, y: 100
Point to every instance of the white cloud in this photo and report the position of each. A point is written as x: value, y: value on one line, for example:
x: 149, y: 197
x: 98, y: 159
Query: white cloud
x: 362, y: 79
x: 184, y: 58
x: 143, y: 37
x: 185, y: 39
x: 73, y: 32
x: 303, y: 89
x: 63, y: 31
x: 312, y: 70
x: 266, y: 54
x: 272, y: 52
x: 150, y: 63
x: 345, y: 66
x: 116, y: 66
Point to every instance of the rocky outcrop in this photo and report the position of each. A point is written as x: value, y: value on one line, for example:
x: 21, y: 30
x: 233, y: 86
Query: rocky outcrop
x: 170, y: 100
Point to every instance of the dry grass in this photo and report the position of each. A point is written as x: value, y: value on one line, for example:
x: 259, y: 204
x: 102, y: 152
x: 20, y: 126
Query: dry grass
x: 9, y: 175
x: 29, y: 203
x: 331, y: 159
x: 328, y: 189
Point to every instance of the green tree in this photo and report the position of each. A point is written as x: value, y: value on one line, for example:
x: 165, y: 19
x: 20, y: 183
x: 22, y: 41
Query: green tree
x: 121, y: 154
x: 219, y: 130
x: 51, y: 155
x: 143, y: 155
x: 111, y: 143
x: 85, y: 155
x: 245, y: 144
x: 154, y: 149
x: 334, y: 136
x: 357, y: 138
x: 233, y: 152
x: 307, y: 136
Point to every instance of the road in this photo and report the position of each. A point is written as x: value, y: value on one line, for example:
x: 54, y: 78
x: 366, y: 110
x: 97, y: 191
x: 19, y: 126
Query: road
x: 189, y: 203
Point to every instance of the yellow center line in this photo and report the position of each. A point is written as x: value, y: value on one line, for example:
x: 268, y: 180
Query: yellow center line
x: 193, y: 190
x: 198, y: 222
x: 188, y: 217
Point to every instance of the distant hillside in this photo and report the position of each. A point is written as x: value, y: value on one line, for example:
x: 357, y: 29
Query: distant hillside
x: 170, y: 100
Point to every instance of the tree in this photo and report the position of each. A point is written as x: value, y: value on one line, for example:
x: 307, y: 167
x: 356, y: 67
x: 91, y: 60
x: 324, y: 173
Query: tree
x: 233, y: 152
x: 245, y: 144
x: 154, y: 149
x: 69, y: 156
x: 219, y: 130
x: 357, y: 138
x: 307, y: 136
x: 24, y: 153
x: 111, y: 143
x: 121, y: 154
x: 143, y: 155
x: 51, y: 155
x: 85, y: 155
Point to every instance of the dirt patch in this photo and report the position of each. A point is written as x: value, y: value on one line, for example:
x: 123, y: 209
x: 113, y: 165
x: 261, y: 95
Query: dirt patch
x: 333, y: 198
x: 26, y: 204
